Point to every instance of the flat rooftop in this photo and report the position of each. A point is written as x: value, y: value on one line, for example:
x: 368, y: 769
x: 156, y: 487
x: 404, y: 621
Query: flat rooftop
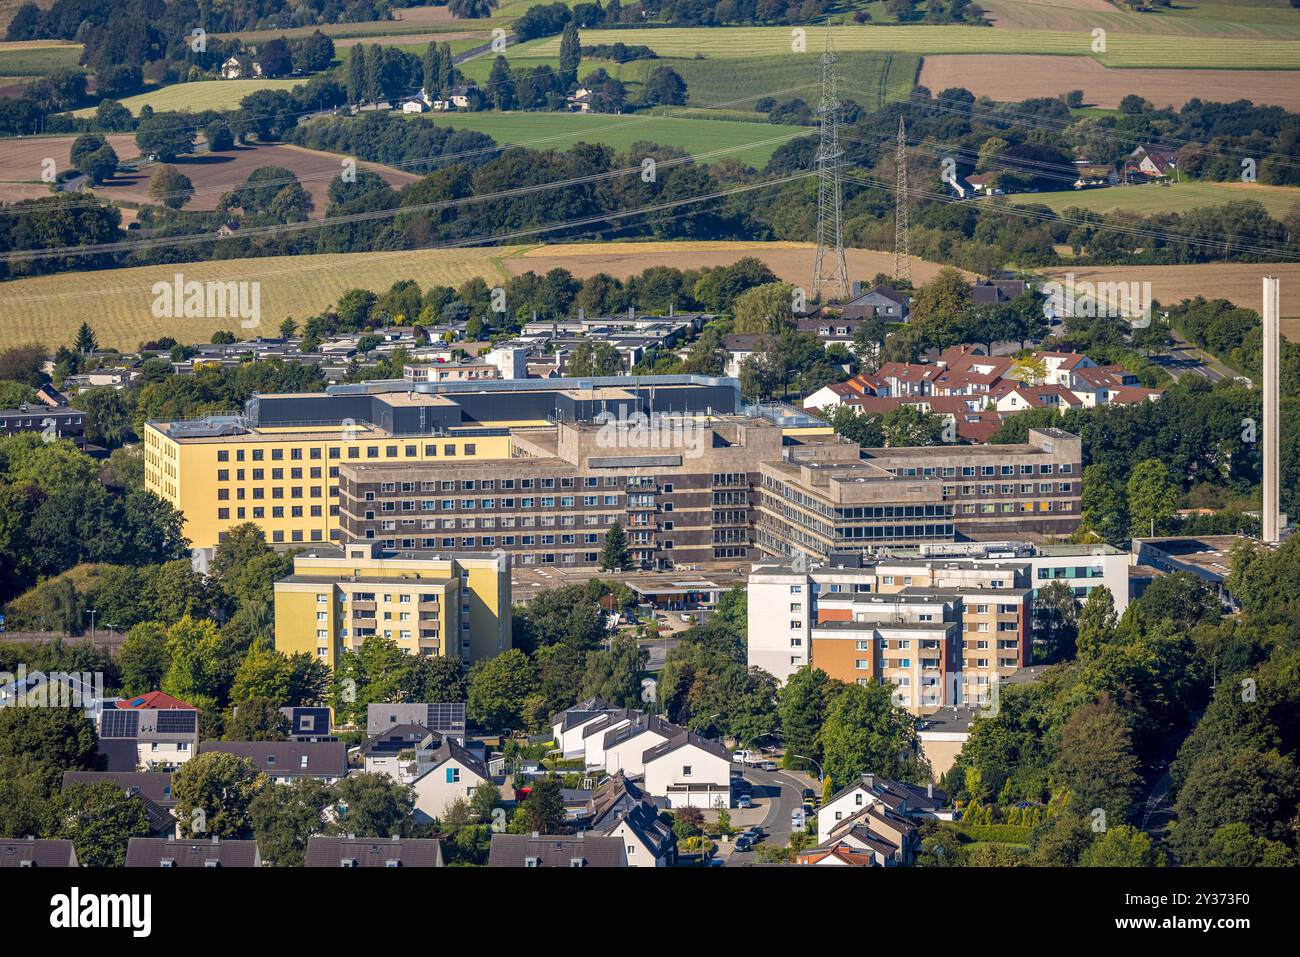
x: 950, y: 720
x: 885, y: 625
x: 1205, y: 553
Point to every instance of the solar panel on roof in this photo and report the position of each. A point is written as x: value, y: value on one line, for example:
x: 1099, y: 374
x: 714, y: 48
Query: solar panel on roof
x: 177, y: 722
x: 319, y: 722
x: 120, y: 724
x: 447, y: 718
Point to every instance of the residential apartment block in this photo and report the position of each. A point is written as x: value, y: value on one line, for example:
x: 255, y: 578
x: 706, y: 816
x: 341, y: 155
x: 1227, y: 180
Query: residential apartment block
x: 940, y: 622
x: 451, y: 605
x: 940, y: 632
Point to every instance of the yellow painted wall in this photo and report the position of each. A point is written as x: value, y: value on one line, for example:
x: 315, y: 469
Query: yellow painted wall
x: 487, y: 594
x: 185, y: 473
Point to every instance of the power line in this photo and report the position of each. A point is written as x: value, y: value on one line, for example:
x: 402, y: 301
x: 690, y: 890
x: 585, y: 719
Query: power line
x: 486, y: 239
x: 365, y: 216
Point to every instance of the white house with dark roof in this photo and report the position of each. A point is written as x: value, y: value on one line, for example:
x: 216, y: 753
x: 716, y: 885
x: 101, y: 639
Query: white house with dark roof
x: 875, y: 836
x: 403, y: 752
x: 689, y: 771
x: 449, y: 773
x: 625, y: 747
x: 567, y: 726
x: 594, y: 733
x: 618, y: 808
x: 907, y: 800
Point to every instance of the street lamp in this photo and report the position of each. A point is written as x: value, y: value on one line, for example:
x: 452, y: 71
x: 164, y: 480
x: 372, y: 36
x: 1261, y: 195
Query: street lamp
x: 804, y: 757
x: 91, y: 613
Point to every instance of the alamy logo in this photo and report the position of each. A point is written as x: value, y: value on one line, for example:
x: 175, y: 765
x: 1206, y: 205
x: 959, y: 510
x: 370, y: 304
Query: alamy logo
x: 179, y: 299
x: 75, y: 910
x: 1121, y: 300
x: 57, y: 689
x: 655, y: 431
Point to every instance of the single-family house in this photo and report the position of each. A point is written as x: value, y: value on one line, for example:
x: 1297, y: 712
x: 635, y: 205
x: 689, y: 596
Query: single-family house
x: 873, y: 837
x: 403, y: 753
x: 908, y: 800
x: 446, y: 774
x: 689, y: 771
x: 285, y: 761
x: 133, y: 738
x: 624, y: 747
x: 618, y: 808
x: 567, y: 726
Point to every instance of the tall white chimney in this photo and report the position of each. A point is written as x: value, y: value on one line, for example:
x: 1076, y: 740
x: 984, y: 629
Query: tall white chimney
x: 1272, y: 423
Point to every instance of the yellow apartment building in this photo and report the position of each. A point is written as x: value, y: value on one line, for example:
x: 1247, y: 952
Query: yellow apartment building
x: 450, y: 606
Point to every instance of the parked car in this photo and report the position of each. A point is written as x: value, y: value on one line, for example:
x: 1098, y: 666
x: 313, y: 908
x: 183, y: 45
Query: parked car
x: 744, y: 801
x: 797, y: 818
x: 767, y: 765
x: 743, y: 843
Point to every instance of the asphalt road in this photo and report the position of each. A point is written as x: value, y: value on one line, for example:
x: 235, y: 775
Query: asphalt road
x: 1184, y: 357
x: 781, y: 793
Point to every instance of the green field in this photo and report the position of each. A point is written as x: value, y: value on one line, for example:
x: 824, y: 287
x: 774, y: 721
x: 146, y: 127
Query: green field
x: 1122, y: 50
x: 751, y: 143
x: 734, y: 82
x: 740, y: 83
x: 1176, y: 198
x: 201, y: 95
x: 23, y: 60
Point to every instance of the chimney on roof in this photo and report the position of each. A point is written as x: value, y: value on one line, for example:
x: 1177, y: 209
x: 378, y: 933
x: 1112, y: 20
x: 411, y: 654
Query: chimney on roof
x: 929, y: 790
x: 215, y: 840
x: 535, y: 834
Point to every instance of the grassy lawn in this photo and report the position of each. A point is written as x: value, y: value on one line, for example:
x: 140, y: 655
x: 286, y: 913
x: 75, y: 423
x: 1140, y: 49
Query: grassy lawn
x: 752, y: 143
x: 1176, y: 198
x: 201, y: 95
x: 1123, y: 50
x: 37, y: 58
